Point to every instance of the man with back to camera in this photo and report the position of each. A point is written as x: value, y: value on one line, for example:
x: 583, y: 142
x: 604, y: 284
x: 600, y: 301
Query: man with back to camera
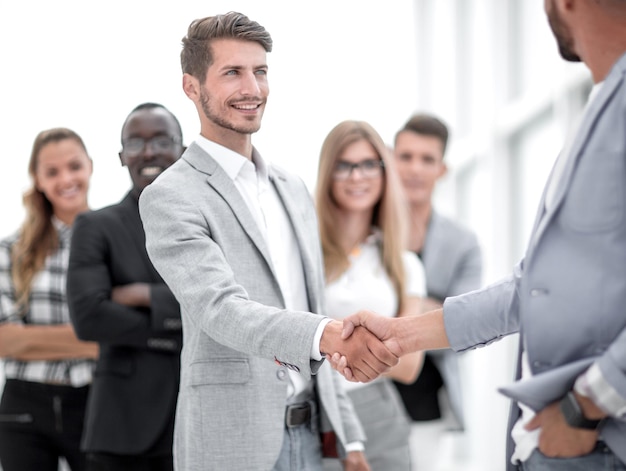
x: 452, y: 263
x: 236, y: 239
x: 117, y: 299
x: 566, y: 297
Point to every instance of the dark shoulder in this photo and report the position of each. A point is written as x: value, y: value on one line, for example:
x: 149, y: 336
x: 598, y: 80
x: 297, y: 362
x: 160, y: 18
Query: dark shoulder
x: 104, y: 216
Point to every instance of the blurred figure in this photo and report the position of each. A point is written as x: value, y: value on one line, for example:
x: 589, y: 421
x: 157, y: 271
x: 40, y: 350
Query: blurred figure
x: 48, y: 370
x: 453, y: 265
x: 360, y: 207
x: 117, y: 299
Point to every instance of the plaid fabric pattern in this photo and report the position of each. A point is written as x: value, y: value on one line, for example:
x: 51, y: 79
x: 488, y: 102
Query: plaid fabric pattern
x: 47, y: 306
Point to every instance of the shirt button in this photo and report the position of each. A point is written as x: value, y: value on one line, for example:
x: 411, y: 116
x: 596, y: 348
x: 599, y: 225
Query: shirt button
x: 538, y: 292
x: 281, y: 374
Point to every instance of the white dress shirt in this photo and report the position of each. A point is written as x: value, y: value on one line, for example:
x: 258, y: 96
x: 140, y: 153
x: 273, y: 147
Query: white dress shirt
x: 366, y: 285
x: 251, y: 178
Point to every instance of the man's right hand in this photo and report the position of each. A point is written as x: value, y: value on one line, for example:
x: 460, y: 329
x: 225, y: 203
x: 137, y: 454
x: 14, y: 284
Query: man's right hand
x: 400, y: 335
x: 132, y: 294
x: 366, y: 356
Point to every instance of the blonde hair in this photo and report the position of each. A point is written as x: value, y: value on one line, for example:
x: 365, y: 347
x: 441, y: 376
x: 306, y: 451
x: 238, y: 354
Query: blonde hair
x: 389, y: 213
x: 37, y: 237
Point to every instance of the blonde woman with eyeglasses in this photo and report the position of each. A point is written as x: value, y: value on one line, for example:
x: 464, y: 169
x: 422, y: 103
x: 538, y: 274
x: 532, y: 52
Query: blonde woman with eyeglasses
x: 361, y: 215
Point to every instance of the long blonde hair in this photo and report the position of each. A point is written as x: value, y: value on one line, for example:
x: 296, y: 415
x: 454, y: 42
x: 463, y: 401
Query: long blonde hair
x: 389, y: 213
x: 37, y: 237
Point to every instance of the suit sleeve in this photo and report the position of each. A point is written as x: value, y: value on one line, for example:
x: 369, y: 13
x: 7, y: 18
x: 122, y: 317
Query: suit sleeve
x: 94, y: 315
x: 480, y: 317
x: 181, y: 246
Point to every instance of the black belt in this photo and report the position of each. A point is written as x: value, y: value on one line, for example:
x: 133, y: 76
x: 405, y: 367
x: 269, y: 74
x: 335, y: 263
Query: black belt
x: 297, y: 414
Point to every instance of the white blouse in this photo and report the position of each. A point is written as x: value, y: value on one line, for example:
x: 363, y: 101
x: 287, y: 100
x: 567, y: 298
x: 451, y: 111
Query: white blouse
x: 366, y: 285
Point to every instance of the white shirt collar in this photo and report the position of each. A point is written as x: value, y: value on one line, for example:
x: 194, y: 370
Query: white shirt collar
x: 232, y: 162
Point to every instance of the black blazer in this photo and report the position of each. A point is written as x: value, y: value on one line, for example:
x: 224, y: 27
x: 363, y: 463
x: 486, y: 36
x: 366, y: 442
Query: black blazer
x: 132, y: 399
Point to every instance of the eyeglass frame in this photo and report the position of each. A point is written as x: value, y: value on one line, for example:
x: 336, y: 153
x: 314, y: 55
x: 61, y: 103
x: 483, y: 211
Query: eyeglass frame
x: 172, y: 143
x: 351, y: 166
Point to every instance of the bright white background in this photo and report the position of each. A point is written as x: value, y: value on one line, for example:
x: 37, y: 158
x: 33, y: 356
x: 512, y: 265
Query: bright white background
x: 85, y: 65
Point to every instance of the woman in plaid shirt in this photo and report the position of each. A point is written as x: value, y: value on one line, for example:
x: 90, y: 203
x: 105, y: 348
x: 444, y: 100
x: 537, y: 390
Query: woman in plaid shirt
x: 48, y: 370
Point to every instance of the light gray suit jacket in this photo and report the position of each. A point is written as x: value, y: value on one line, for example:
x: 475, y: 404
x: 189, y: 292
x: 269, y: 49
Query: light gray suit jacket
x: 237, y: 337
x: 567, y: 297
x: 453, y: 265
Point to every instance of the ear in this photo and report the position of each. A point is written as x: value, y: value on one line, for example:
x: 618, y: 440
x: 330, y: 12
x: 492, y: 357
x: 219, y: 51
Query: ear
x: 90, y: 165
x: 191, y: 87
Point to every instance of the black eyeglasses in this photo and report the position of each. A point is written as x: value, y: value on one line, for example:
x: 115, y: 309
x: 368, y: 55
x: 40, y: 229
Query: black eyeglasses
x: 370, y: 168
x: 134, y: 146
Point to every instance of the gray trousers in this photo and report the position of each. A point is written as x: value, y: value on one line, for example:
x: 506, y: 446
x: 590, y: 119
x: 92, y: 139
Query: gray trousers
x: 387, y: 427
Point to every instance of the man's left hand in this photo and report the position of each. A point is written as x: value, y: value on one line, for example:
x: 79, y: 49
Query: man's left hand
x: 356, y: 461
x: 557, y: 439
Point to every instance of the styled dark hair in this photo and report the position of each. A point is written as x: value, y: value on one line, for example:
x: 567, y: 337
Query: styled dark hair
x: 196, y: 57
x: 427, y: 125
x: 150, y: 106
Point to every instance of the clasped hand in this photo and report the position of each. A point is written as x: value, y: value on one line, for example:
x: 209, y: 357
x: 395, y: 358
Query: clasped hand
x: 361, y: 348
x: 361, y: 354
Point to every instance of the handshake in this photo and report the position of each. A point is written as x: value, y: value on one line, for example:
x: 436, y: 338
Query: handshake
x: 367, y: 345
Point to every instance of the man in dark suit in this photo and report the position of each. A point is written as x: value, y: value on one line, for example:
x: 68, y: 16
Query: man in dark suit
x: 117, y: 298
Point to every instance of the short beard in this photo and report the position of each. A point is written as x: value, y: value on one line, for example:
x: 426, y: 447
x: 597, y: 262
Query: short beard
x: 217, y: 119
x: 564, y: 40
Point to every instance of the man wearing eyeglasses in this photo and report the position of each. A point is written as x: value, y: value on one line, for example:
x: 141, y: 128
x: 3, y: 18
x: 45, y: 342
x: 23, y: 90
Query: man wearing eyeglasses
x: 117, y: 298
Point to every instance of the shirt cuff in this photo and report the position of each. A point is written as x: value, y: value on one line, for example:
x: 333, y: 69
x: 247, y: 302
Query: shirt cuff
x: 593, y: 385
x: 315, y: 348
x: 355, y: 446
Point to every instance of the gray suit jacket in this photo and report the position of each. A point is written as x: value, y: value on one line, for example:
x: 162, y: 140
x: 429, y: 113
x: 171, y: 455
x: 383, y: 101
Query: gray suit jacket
x: 238, y: 338
x: 567, y: 297
x: 452, y: 258
x: 453, y: 265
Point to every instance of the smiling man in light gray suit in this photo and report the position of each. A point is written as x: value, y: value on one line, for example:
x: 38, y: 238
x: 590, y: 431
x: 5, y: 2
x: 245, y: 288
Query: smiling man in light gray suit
x: 567, y: 297
x: 236, y: 240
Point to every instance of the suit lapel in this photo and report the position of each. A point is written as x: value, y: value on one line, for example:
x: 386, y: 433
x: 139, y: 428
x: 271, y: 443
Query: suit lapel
x: 298, y: 225
x: 589, y: 119
x: 224, y: 186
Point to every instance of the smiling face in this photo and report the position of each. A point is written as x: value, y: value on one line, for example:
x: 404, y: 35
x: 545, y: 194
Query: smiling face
x: 358, y: 192
x: 151, y: 143
x: 62, y: 174
x: 419, y: 160
x: 232, y: 99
